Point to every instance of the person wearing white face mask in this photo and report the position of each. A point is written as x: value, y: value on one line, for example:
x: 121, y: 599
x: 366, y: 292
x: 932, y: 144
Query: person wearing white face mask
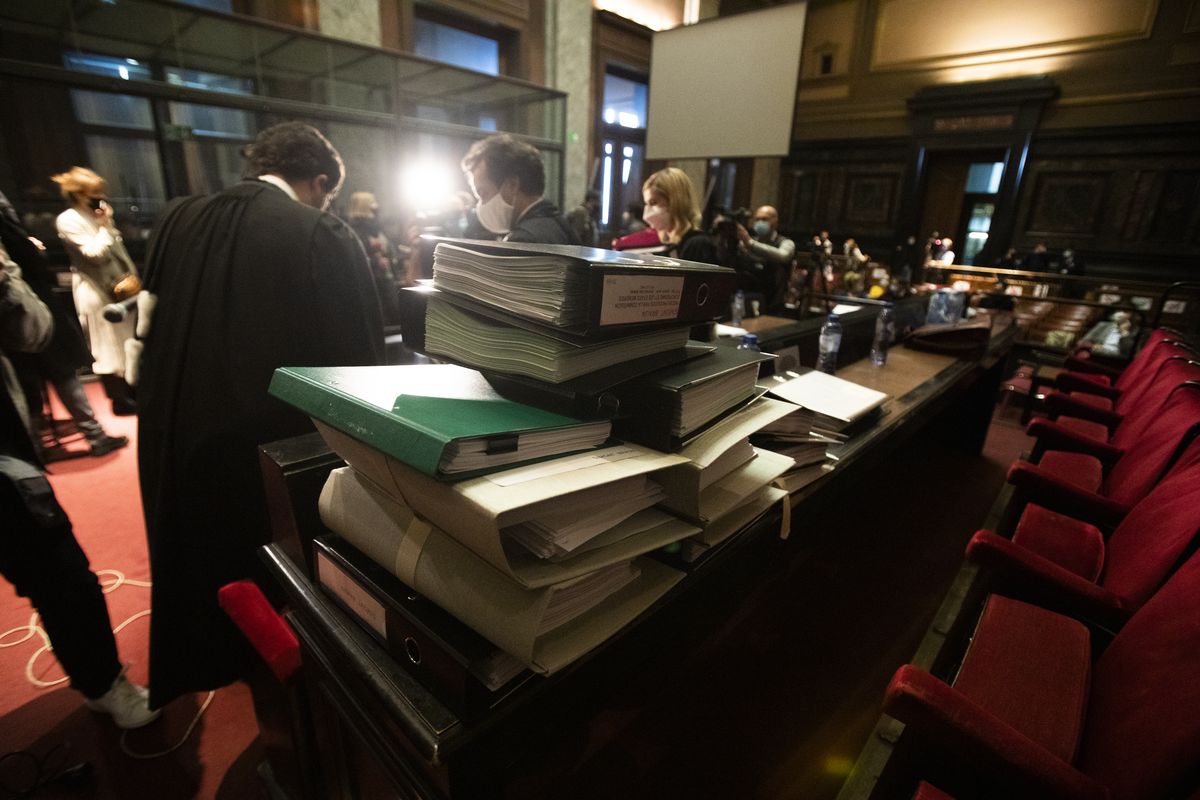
x: 508, y: 178
x: 672, y: 212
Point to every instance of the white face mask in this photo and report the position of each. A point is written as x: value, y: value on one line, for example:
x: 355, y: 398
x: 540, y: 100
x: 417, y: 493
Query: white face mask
x: 657, y: 218
x: 495, y: 214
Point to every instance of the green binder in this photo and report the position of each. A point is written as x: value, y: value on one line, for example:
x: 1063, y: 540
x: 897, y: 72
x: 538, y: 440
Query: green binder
x: 442, y: 419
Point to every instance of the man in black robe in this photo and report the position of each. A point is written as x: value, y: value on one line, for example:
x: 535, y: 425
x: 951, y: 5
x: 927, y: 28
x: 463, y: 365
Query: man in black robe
x: 239, y: 283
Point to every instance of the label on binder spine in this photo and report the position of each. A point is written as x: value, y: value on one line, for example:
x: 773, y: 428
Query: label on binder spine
x: 636, y: 298
x: 356, y: 598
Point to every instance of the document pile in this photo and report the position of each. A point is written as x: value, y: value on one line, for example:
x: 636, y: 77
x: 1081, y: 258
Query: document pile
x: 726, y: 482
x: 554, y: 313
x: 544, y: 560
x: 491, y: 494
x: 829, y: 409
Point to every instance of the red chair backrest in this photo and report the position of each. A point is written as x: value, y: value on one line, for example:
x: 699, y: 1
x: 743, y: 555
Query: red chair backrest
x: 1170, y: 373
x: 1145, y: 461
x: 1155, y: 535
x: 1141, y: 737
x: 1143, y: 373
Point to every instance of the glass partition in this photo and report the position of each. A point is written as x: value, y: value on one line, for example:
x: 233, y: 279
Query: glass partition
x: 160, y: 98
x: 179, y: 44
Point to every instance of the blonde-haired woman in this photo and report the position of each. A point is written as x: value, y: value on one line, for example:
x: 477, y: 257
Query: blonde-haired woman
x: 103, y: 273
x: 672, y: 212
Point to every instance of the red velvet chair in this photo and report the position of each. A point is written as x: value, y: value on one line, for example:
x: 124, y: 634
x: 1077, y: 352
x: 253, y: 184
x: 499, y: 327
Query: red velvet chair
x: 1075, y: 434
x: 1032, y: 714
x: 1066, y: 565
x: 268, y: 632
x: 1081, y: 363
x: 1081, y: 395
x: 1099, y: 483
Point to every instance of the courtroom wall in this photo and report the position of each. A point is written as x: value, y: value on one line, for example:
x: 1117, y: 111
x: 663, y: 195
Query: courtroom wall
x: 1117, y: 61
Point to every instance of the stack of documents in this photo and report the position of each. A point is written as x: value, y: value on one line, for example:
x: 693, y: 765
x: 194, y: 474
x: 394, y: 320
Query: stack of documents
x: 672, y: 404
x: 577, y: 526
x: 795, y: 436
x: 554, y: 313
x: 547, y: 625
x: 488, y: 343
x: 582, y: 289
x: 836, y: 404
x: 726, y: 483
x: 442, y: 419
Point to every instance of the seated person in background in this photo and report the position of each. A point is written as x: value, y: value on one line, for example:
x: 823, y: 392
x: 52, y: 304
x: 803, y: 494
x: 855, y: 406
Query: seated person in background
x: 508, y: 178
x: 1010, y: 260
x: 996, y: 299
x: 771, y: 254
x: 672, y: 212
x: 1114, y: 336
x: 856, y: 256
x: 1038, y: 260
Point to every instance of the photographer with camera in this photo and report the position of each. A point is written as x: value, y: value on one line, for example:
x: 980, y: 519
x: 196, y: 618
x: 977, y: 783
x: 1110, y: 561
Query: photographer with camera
x: 771, y: 255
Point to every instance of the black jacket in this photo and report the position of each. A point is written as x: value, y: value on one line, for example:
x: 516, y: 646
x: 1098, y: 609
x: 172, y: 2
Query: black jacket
x: 695, y: 245
x: 542, y: 224
x: 67, y: 349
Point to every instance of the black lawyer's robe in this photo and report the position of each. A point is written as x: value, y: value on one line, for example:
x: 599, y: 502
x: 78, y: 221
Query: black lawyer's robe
x: 247, y: 280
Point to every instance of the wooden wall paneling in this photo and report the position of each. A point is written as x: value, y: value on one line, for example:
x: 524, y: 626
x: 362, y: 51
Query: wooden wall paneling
x: 1178, y: 208
x: 871, y: 202
x: 1068, y: 204
x: 1140, y: 204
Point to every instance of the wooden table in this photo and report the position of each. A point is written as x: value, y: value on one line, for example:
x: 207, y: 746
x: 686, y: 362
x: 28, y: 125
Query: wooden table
x: 363, y: 727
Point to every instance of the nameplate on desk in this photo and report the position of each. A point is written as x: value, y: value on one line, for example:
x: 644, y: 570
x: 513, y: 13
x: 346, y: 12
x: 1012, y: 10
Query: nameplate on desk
x: 356, y: 598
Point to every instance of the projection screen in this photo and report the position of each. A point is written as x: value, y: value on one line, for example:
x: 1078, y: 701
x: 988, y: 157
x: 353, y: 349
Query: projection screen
x: 725, y: 88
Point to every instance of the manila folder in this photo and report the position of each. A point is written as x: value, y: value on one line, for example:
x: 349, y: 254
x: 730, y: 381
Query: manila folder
x: 507, y: 614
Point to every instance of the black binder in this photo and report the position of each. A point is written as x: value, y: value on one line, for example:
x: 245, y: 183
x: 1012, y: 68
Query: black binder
x: 622, y: 292
x: 450, y: 659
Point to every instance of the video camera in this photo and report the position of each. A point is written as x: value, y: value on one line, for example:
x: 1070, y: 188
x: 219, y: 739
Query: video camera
x: 724, y: 234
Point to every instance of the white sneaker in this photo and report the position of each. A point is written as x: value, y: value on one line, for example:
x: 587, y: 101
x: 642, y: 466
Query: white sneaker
x: 127, y: 703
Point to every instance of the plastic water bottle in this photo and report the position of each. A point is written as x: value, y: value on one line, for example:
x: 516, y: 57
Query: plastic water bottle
x: 831, y: 340
x: 738, y: 308
x: 749, y: 342
x: 885, y: 334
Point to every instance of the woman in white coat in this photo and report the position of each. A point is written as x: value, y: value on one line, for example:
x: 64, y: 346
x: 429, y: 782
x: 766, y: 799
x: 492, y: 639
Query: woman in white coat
x: 103, y: 274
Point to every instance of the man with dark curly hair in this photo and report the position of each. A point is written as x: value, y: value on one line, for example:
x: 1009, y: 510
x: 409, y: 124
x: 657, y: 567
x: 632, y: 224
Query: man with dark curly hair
x: 508, y: 178
x: 238, y: 283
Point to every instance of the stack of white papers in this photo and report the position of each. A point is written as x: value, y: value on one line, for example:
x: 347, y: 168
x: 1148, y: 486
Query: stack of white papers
x: 720, y: 471
x: 465, y: 455
x: 556, y: 533
x: 478, y: 512
x: 838, y: 402
x: 545, y: 626
x: 532, y: 286
x: 701, y: 402
x: 485, y: 344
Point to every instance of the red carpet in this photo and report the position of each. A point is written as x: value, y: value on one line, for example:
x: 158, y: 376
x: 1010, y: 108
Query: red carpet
x: 218, y: 759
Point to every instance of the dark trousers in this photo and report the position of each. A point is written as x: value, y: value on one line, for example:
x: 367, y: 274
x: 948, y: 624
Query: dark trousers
x: 42, y: 560
x: 32, y: 371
